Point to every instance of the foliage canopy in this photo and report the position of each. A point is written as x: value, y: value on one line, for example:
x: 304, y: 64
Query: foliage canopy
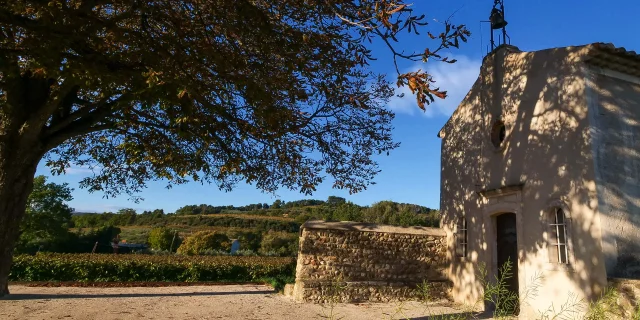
x: 47, y: 216
x: 275, y: 93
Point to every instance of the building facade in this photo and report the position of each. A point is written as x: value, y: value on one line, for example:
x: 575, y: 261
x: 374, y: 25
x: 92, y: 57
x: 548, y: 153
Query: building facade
x: 540, y: 168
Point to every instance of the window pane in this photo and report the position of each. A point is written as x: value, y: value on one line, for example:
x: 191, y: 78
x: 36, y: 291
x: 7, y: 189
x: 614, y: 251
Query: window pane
x: 561, y: 234
x: 553, y: 253
x: 553, y: 235
x: 563, y: 253
x: 559, y: 216
x: 461, y: 237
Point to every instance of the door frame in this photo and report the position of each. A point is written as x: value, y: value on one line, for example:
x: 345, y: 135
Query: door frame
x: 507, y: 200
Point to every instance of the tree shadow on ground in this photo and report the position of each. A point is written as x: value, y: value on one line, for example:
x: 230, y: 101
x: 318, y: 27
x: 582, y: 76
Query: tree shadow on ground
x: 51, y: 296
x: 479, y: 316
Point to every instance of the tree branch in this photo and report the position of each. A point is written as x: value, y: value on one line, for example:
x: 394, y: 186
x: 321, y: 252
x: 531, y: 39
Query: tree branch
x: 30, y: 24
x: 67, y: 97
x: 88, y: 112
x: 79, y: 130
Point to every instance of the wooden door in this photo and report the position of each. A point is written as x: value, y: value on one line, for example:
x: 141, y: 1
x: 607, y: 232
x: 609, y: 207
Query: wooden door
x: 507, y: 250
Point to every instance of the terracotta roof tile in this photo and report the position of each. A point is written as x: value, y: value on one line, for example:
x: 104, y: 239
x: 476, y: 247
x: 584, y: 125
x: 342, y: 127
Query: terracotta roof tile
x: 611, y: 48
x: 607, y: 55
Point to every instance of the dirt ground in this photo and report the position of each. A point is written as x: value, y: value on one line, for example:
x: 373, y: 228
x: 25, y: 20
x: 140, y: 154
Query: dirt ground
x: 192, y: 302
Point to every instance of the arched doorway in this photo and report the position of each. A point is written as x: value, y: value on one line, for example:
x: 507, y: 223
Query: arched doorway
x: 507, y: 251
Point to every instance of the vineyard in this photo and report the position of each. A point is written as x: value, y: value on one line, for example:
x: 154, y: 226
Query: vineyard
x: 194, y: 244
x: 151, y: 268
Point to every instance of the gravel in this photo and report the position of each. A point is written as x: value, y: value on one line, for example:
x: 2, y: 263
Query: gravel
x: 188, y: 302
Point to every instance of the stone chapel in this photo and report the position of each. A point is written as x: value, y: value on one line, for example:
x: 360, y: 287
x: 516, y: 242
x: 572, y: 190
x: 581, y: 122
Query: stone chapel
x: 540, y: 166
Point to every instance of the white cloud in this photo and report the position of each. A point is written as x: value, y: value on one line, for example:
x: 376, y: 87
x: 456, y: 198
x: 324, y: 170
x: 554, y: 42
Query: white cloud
x: 111, y: 208
x: 81, y: 170
x: 100, y: 208
x: 77, y: 170
x: 456, y: 79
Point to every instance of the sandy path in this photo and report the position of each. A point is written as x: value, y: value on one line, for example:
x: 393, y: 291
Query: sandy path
x: 197, y: 302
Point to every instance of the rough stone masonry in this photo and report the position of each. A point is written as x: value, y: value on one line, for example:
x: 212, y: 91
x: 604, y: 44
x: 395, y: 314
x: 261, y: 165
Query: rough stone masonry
x: 355, y: 262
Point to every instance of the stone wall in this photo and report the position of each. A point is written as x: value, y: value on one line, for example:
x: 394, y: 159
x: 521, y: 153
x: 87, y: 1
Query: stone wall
x: 354, y: 262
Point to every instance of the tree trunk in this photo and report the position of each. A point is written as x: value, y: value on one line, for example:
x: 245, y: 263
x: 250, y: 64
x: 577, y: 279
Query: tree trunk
x: 23, y: 115
x: 17, y: 169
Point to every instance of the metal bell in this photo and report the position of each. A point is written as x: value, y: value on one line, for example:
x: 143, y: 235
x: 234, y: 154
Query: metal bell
x: 497, y: 19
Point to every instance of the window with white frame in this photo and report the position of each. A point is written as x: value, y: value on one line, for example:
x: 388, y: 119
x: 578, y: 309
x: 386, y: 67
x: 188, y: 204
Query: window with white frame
x: 461, y: 237
x: 558, y: 248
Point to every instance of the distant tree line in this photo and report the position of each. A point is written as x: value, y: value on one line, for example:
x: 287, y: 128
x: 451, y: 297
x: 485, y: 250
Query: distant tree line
x: 333, y: 209
x: 97, y: 220
x: 383, y: 212
x: 209, y: 209
x: 277, y: 204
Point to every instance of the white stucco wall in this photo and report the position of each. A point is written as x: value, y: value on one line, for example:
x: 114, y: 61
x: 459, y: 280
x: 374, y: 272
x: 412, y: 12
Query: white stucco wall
x: 541, y: 98
x: 614, y: 115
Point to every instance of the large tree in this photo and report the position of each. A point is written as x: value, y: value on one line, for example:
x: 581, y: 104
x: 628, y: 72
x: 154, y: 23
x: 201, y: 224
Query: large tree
x: 271, y: 92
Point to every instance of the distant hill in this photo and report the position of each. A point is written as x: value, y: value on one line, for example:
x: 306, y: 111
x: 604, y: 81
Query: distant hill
x: 76, y: 213
x: 296, y: 212
x: 263, y: 229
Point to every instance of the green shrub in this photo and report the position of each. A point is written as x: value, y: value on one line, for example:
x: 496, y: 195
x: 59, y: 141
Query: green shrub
x: 201, y: 241
x: 276, y: 243
x: 248, y: 240
x: 122, y: 268
x: 161, y: 238
x: 303, y: 217
x: 135, y: 235
x: 245, y: 252
x: 214, y: 252
x: 161, y: 252
x: 606, y: 306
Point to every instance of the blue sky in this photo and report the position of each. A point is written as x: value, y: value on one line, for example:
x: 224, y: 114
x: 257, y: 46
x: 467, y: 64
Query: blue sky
x: 412, y: 172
